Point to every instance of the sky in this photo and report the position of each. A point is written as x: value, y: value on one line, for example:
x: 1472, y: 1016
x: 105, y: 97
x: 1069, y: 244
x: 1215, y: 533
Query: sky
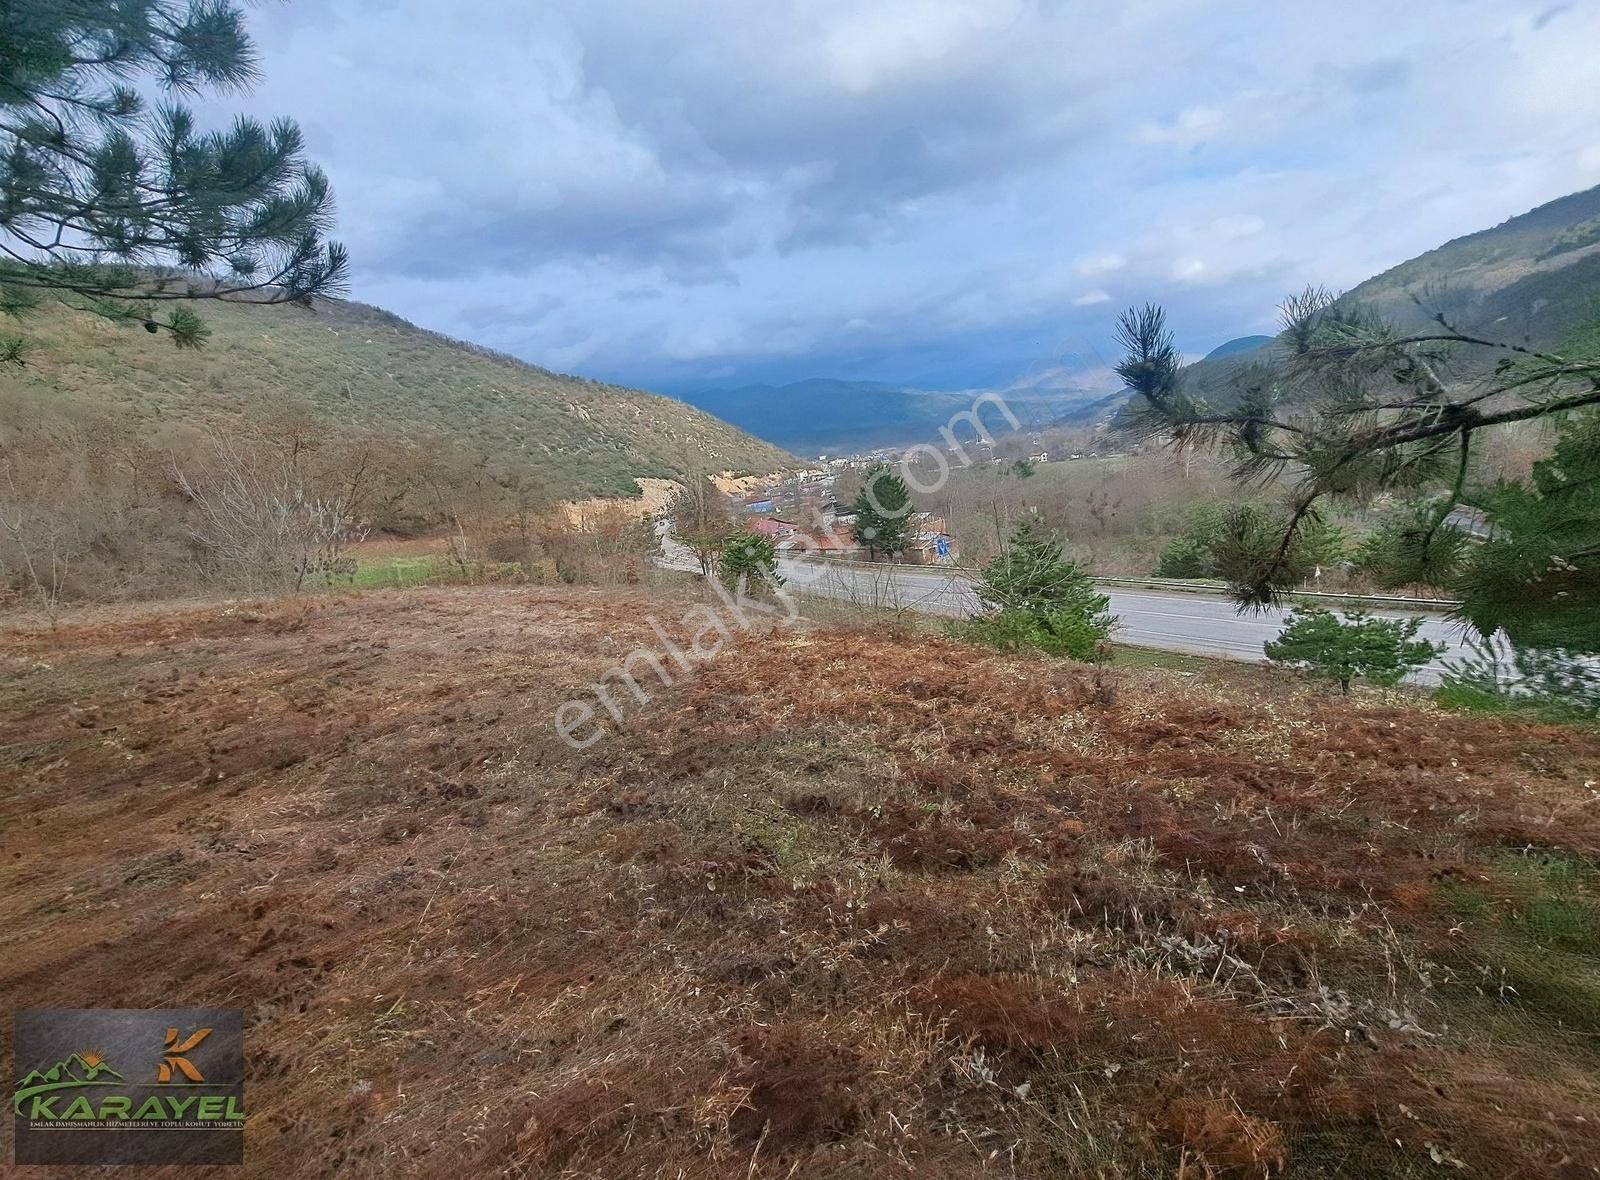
x: 949, y: 194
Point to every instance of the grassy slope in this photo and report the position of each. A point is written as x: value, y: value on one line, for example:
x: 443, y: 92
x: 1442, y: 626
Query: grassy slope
x: 1505, y: 271
x: 844, y: 904
x: 1532, y: 279
x: 359, y: 366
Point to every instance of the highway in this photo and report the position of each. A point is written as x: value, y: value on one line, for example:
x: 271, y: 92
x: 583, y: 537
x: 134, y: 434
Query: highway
x: 1199, y: 624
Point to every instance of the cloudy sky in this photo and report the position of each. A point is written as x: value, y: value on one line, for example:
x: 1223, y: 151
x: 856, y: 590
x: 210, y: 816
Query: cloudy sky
x: 950, y: 193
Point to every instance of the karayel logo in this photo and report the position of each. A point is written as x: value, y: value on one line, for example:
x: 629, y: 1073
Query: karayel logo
x: 129, y: 1086
x: 172, y: 1061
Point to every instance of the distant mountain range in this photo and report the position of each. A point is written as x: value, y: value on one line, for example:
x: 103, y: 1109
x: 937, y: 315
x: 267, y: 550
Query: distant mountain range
x: 1534, y: 279
x: 826, y: 416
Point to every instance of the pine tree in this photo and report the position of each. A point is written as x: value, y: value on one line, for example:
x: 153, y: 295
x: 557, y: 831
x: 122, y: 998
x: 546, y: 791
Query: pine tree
x: 1537, y: 576
x: 1378, y: 650
x: 1037, y: 598
x: 1033, y: 574
x: 1184, y: 557
x: 883, y: 512
x: 1321, y: 543
x: 130, y: 212
x: 1348, y: 407
x: 751, y: 559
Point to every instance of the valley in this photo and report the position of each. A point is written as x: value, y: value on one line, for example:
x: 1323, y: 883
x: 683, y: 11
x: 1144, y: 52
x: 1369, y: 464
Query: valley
x: 1051, y: 630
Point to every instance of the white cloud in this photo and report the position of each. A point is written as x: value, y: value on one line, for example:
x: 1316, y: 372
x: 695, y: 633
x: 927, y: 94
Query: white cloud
x: 1101, y: 264
x: 868, y: 46
x: 1092, y: 298
x: 1193, y: 126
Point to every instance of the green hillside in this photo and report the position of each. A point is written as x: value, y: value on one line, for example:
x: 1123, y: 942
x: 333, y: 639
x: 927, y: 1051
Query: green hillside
x: 1242, y: 344
x: 1533, y: 279
x: 360, y: 367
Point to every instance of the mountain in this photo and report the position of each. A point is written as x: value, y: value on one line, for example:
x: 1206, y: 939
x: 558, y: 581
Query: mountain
x: 826, y: 416
x: 1238, y: 345
x: 1533, y: 279
x: 1530, y: 278
x: 357, y: 366
x: 73, y: 1069
x: 1089, y: 413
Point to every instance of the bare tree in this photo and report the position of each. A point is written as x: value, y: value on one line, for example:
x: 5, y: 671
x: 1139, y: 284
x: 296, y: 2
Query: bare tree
x: 260, y: 515
x: 1102, y: 506
x: 701, y: 520
x: 40, y: 538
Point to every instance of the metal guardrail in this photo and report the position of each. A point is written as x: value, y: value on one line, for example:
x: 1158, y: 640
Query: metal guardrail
x: 1385, y: 600
x: 1172, y: 585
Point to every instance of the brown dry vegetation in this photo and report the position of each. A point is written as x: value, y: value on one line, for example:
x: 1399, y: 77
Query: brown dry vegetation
x: 842, y: 905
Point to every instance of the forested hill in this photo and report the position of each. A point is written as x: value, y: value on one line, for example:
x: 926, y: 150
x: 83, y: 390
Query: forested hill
x: 359, y: 367
x: 1532, y: 279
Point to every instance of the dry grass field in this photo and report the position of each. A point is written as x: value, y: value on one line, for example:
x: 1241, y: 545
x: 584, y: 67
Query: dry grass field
x: 842, y: 904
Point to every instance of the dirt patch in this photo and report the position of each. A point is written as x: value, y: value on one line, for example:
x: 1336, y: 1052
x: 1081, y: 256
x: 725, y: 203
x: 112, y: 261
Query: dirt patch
x: 802, y: 1090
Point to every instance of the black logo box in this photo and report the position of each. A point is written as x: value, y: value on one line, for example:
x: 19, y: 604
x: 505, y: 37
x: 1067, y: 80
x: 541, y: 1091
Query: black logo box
x: 133, y: 1042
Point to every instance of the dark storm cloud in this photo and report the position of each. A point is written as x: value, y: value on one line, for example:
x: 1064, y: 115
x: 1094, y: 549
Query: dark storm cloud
x: 682, y: 232
x: 842, y: 146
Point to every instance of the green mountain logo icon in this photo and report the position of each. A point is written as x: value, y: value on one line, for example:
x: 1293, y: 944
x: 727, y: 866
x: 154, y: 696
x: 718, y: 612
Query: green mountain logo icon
x: 86, y: 1068
x: 80, y: 1067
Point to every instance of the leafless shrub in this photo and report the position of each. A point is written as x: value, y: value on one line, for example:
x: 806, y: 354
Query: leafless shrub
x: 261, y: 515
x: 39, y: 539
x: 85, y: 510
x: 608, y: 545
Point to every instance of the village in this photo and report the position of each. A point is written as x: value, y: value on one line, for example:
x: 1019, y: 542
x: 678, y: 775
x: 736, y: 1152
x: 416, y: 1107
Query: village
x: 809, y: 513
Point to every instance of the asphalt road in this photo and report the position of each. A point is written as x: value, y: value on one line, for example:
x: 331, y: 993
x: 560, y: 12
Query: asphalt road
x: 1195, y: 623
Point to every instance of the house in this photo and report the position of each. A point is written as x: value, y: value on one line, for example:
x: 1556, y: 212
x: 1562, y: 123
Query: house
x: 928, y: 542
x: 829, y: 543
x: 771, y: 526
